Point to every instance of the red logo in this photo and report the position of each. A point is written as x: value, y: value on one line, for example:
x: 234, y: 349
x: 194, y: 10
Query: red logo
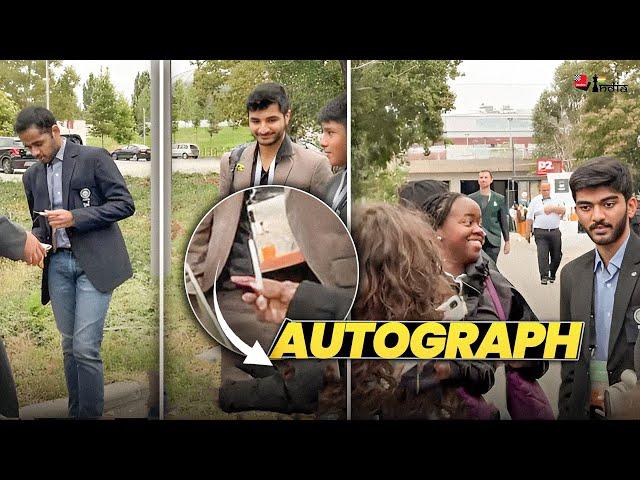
x: 581, y: 82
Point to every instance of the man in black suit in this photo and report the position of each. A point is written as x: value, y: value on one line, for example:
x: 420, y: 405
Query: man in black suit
x: 15, y: 244
x: 76, y: 196
x: 601, y: 287
x: 333, y: 120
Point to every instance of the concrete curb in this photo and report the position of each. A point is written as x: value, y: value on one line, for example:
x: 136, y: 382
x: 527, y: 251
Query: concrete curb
x: 116, y: 395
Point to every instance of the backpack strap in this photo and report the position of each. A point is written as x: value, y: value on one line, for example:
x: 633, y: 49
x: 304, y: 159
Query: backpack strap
x: 234, y: 159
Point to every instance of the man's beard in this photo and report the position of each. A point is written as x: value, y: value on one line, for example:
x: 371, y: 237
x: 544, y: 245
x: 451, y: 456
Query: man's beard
x: 617, y: 232
x: 275, y: 140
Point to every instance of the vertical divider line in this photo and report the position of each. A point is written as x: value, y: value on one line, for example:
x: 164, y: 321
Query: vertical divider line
x: 349, y: 172
x: 161, y: 161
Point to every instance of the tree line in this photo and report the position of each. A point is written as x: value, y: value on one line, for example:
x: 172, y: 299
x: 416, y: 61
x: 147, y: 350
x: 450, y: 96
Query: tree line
x: 108, y: 112
x: 574, y: 125
x: 219, y: 90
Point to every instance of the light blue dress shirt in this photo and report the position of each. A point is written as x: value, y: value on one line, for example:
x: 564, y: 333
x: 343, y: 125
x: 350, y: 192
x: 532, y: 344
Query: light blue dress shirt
x: 54, y: 183
x: 605, y: 282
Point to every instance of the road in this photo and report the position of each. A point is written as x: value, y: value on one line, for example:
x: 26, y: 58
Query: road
x: 143, y: 169
x: 521, y: 268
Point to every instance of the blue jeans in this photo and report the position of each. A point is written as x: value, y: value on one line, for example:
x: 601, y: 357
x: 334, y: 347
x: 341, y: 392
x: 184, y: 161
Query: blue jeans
x: 79, y: 310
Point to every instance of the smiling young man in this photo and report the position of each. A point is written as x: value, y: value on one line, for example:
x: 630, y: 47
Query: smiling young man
x: 601, y: 287
x: 273, y: 159
x: 333, y: 120
x: 76, y: 196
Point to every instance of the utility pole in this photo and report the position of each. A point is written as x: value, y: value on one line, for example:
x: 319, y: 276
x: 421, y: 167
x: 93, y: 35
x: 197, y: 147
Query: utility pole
x: 513, y: 162
x: 144, y: 128
x: 46, y: 73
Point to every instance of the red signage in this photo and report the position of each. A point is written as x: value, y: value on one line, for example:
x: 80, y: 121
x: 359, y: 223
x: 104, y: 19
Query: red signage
x: 549, y: 165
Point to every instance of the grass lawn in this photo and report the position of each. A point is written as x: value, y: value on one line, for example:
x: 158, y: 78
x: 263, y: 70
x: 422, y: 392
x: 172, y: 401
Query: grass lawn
x: 130, y: 345
x: 216, y: 145
x: 210, y: 146
x: 110, y: 144
x: 190, y: 383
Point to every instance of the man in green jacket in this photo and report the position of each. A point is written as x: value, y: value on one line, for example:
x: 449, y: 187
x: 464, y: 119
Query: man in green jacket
x: 495, y: 220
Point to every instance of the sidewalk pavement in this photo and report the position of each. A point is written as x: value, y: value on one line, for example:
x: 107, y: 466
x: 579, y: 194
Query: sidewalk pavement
x: 121, y: 400
x: 521, y: 269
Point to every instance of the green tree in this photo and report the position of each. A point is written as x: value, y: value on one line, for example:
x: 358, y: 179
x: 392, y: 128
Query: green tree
x: 222, y: 87
x: 123, y: 121
x: 178, y: 104
x: 8, y: 113
x: 141, y: 100
x: 24, y: 81
x: 575, y: 125
x: 87, y: 91
x: 394, y: 104
x: 63, y: 100
x: 102, y: 111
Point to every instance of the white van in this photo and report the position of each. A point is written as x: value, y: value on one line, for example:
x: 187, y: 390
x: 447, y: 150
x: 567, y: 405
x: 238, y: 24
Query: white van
x: 185, y: 150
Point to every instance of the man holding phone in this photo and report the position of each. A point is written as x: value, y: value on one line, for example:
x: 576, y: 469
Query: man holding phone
x: 76, y: 196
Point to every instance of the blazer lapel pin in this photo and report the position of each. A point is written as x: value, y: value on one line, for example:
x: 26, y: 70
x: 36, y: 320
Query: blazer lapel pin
x: 85, y: 195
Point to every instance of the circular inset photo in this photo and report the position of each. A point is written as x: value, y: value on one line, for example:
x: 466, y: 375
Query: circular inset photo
x: 265, y: 254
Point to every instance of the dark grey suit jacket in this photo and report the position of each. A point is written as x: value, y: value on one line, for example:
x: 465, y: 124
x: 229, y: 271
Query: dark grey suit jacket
x: 12, y: 239
x: 576, y: 290
x: 96, y: 240
x: 332, y: 187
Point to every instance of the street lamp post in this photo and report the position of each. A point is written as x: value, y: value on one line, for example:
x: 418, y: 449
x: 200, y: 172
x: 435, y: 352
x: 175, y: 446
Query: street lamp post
x: 46, y: 81
x: 513, y: 161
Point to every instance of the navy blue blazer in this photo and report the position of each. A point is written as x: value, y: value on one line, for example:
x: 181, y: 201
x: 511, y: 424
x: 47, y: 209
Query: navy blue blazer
x: 94, y: 190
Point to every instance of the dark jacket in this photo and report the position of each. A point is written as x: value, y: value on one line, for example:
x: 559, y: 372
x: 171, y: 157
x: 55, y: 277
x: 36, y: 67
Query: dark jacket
x: 576, y: 291
x: 480, y: 305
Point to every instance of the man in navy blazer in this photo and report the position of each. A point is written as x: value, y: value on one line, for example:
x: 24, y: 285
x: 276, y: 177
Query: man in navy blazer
x: 76, y: 196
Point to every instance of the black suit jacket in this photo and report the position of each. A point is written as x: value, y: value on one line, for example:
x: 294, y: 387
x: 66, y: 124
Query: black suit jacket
x: 332, y: 187
x: 96, y: 240
x: 576, y: 290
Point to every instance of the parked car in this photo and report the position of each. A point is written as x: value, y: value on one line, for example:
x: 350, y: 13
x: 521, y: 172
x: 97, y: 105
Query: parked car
x: 72, y: 137
x: 185, y: 150
x: 132, y: 152
x: 14, y: 155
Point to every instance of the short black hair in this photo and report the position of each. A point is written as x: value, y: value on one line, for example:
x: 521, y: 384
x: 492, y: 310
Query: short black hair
x: 267, y: 94
x: 602, y: 172
x: 335, y: 110
x: 415, y: 193
x: 34, y: 116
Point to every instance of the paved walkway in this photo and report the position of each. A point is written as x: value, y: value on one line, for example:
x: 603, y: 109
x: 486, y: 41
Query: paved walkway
x: 121, y: 400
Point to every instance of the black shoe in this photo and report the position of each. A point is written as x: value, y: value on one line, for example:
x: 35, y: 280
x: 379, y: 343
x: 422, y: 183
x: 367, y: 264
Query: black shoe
x: 552, y: 279
x: 543, y: 281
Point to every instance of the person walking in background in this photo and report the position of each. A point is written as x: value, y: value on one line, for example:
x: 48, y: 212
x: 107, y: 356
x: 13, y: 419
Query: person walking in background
x: 495, y: 218
x: 543, y: 218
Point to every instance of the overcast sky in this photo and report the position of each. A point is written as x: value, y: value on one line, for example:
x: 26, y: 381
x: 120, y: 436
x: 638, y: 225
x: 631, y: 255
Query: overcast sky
x: 517, y: 83
x: 123, y: 73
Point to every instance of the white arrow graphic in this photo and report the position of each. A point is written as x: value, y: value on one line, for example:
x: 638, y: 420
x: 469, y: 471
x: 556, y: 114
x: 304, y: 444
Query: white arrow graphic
x: 254, y: 355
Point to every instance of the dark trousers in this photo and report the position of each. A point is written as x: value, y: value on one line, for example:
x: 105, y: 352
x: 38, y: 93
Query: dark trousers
x: 549, y: 245
x: 8, y: 396
x: 491, y: 250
